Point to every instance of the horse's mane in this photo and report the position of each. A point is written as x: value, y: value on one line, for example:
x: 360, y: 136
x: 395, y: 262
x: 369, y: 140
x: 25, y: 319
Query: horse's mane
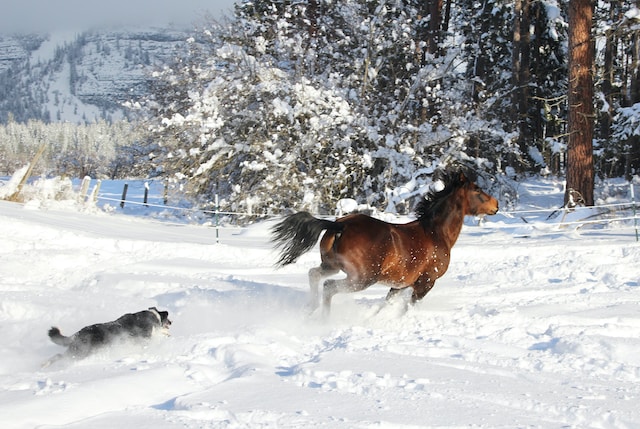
x: 432, y: 203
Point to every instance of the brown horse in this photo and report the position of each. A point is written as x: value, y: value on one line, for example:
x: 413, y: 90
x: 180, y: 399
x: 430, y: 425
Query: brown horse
x: 370, y: 250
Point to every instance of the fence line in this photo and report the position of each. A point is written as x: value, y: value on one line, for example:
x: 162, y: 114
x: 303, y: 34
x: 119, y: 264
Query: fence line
x: 164, y: 206
x: 561, y: 224
x: 602, y: 212
x: 506, y: 213
x: 540, y: 225
x: 514, y: 212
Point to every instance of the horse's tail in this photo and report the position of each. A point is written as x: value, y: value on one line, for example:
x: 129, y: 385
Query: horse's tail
x: 58, y: 338
x: 298, y: 233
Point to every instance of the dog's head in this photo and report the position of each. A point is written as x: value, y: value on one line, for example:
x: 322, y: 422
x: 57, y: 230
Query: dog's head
x: 163, y: 317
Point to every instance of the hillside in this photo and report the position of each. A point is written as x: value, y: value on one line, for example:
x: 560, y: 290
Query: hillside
x: 80, y: 77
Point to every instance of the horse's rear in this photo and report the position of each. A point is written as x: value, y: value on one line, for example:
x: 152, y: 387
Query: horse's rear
x: 358, y: 248
x: 349, y: 251
x: 368, y: 247
x: 369, y: 251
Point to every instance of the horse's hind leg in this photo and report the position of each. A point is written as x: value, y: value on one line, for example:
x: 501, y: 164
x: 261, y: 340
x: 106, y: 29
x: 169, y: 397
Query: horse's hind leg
x: 315, y: 277
x: 335, y: 286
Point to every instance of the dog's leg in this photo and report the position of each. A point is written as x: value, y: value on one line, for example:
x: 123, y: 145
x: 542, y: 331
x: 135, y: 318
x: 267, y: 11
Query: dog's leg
x: 48, y: 363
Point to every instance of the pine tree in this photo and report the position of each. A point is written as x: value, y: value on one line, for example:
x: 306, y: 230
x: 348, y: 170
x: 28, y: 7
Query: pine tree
x: 618, y: 140
x: 580, y: 173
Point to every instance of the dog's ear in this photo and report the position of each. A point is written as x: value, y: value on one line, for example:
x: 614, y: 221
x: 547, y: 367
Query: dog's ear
x: 164, y: 315
x: 153, y: 309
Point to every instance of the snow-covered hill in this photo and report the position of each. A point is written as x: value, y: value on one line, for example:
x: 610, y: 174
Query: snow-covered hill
x: 534, y: 325
x: 80, y: 77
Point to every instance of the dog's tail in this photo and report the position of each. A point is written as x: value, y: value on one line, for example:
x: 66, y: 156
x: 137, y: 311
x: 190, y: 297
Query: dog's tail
x: 58, y: 338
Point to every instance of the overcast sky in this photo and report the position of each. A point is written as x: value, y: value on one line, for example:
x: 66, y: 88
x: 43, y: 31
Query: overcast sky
x: 23, y: 16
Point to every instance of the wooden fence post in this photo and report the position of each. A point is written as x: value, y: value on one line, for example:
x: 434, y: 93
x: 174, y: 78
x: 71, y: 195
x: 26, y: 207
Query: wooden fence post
x: 84, y: 187
x: 124, y: 195
x: 16, y: 197
x: 146, y: 194
x: 635, y: 214
x: 165, y: 193
x: 96, y: 189
x: 217, y: 216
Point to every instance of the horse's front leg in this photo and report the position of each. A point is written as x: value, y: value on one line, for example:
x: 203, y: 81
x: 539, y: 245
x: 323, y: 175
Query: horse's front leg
x: 421, y: 287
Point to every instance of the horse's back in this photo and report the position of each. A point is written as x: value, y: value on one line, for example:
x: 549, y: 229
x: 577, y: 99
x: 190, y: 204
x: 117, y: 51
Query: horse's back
x: 359, y: 224
x: 363, y: 238
x: 370, y: 247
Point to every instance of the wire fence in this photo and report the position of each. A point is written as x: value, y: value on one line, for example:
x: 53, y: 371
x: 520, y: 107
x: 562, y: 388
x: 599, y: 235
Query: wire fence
x: 542, y: 221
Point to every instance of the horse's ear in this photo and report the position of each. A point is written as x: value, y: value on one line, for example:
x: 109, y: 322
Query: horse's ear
x: 463, y: 178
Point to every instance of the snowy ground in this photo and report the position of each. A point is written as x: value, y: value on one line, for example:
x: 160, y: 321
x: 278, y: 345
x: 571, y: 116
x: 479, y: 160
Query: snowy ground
x: 533, y: 326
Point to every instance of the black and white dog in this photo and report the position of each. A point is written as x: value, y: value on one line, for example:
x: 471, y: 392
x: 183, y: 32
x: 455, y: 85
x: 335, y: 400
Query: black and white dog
x: 140, y: 325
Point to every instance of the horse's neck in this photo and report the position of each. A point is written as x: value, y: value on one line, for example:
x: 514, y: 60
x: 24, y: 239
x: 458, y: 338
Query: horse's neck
x: 451, y: 223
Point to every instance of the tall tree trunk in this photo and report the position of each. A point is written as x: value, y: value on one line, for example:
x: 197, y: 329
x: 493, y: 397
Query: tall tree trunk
x: 539, y: 23
x: 633, y: 154
x: 526, y: 138
x: 635, y: 65
x: 606, y: 117
x: 521, y: 75
x: 446, y: 18
x: 435, y: 25
x: 479, y: 62
x: 429, y: 33
x: 580, y: 174
x: 312, y: 16
x: 516, y: 64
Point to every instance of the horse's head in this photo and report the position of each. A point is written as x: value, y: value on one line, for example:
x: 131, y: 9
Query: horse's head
x: 478, y: 201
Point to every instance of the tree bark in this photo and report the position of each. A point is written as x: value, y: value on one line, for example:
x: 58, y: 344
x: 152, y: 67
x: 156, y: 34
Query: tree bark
x: 580, y: 174
x: 435, y: 25
x: 633, y: 154
x: 520, y: 72
x: 608, y: 76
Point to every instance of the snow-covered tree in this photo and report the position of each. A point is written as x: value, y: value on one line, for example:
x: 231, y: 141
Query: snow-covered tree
x: 299, y: 104
x: 251, y: 132
x: 72, y: 150
x: 617, y: 88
